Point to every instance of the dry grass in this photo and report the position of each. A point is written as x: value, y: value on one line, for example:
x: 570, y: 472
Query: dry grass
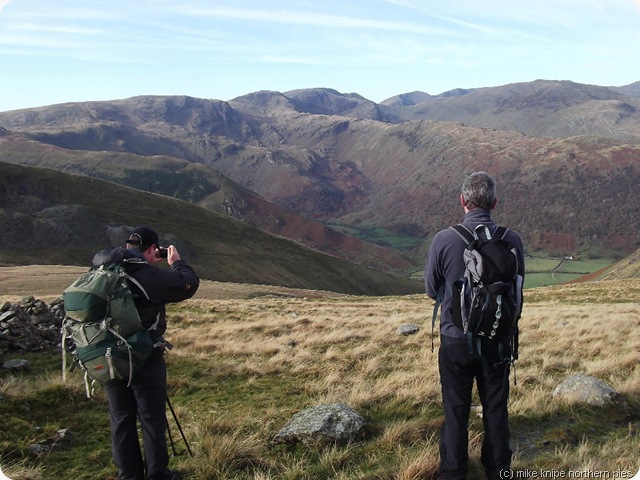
x: 247, y: 357
x: 350, y: 352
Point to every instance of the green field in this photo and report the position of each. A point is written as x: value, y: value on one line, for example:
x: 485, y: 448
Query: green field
x: 380, y: 236
x: 545, y: 271
x: 540, y: 271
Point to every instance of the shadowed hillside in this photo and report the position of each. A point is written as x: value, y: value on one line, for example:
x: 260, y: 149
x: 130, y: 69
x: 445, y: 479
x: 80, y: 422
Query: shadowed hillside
x: 52, y: 217
x: 203, y: 186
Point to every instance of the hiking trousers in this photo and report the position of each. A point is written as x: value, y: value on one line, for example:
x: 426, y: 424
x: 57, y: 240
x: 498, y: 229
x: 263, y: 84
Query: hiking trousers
x: 457, y: 374
x: 145, y: 400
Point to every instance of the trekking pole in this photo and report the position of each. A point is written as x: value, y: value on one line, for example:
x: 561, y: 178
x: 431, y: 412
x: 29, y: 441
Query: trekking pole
x: 179, y: 427
x: 173, y: 446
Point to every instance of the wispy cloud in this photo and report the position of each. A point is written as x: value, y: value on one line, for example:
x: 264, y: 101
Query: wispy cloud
x: 311, y: 19
x: 300, y: 60
x: 65, y: 29
x: 3, y: 3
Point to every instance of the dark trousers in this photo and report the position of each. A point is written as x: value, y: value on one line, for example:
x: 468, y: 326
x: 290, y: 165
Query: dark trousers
x: 145, y: 400
x: 457, y: 373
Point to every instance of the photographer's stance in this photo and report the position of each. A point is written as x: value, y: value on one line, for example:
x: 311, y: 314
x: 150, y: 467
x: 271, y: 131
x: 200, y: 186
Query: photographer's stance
x: 458, y: 369
x: 146, y: 397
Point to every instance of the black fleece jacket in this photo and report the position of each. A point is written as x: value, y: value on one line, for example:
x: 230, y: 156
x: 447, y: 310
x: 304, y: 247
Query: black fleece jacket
x: 162, y: 286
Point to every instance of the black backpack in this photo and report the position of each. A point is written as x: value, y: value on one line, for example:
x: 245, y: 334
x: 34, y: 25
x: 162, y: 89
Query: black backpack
x: 487, y: 300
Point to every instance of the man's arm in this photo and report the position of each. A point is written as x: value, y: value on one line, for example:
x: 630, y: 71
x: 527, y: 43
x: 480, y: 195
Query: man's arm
x: 188, y: 282
x: 433, y: 276
x: 176, y: 285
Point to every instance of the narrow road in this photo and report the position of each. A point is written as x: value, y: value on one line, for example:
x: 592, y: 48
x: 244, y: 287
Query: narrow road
x: 557, y: 267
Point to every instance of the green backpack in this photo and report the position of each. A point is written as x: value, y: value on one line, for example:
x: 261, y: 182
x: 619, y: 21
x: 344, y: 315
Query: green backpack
x: 102, y: 327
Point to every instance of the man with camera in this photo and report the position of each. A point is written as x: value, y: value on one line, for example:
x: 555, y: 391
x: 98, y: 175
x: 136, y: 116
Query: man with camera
x: 145, y: 398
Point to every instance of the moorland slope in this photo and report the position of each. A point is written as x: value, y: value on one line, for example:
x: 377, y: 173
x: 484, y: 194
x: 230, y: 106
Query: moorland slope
x: 53, y: 217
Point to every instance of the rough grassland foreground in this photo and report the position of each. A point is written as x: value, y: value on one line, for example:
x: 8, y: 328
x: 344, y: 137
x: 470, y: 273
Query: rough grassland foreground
x: 247, y: 358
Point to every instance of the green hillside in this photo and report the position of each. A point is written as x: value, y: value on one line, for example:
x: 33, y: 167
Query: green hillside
x: 53, y: 217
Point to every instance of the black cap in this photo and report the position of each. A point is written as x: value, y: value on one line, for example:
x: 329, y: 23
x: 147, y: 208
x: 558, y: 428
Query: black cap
x: 142, y: 236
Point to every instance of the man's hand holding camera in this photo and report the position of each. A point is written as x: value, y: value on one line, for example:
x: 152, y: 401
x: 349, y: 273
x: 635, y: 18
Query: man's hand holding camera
x: 170, y: 253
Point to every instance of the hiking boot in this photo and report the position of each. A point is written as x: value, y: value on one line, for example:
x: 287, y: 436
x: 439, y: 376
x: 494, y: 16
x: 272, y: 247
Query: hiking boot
x: 170, y: 475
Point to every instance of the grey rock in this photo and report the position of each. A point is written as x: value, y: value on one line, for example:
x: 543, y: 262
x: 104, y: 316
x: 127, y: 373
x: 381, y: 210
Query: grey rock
x: 59, y: 440
x: 585, y: 389
x: 16, y: 365
x: 408, y: 329
x: 327, y: 423
x: 7, y: 315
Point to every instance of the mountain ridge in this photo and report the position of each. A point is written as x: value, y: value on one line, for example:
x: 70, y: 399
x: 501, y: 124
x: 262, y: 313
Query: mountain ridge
x: 365, y: 174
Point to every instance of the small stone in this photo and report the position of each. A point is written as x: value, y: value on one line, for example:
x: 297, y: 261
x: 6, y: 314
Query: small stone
x: 16, y: 365
x: 408, y: 329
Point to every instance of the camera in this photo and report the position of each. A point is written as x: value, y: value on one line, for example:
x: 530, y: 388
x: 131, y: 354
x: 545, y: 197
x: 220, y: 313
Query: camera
x: 162, y: 252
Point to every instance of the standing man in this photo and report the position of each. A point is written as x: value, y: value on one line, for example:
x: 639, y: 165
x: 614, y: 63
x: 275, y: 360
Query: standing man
x: 444, y: 266
x: 146, y: 398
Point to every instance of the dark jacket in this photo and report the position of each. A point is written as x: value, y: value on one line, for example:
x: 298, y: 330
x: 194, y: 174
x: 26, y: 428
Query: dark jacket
x: 445, y: 264
x: 162, y: 286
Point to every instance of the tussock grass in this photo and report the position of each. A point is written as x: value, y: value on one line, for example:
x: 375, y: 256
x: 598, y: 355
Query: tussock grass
x: 243, y: 364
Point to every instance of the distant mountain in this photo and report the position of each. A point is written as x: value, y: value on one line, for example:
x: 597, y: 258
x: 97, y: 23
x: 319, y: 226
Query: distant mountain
x: 631, y: 90
x: 415, y: 98
x: 324, y: 101
x: 406, y: 99
x: 59, y: 218
x: 541, y: 108
x: 566, y: 156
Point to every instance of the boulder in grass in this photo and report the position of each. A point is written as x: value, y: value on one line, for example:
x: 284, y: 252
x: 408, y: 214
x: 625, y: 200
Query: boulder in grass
x: 327, y: 423
x: 586, y: 390
x: 16, y: 365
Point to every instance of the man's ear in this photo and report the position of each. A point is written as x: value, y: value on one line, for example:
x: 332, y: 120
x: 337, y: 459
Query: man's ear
x: 495, y: 202
x: 462, y: 202
x: 150, y: 255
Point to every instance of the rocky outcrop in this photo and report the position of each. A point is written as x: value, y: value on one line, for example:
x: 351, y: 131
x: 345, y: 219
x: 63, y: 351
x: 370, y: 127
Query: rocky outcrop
x: 30, y: 325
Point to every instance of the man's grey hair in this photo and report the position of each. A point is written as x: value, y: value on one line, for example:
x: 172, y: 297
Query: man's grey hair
x: 479, y: 191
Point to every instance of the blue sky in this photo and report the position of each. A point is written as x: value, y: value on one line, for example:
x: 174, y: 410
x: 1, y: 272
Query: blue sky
x: 55, y: 51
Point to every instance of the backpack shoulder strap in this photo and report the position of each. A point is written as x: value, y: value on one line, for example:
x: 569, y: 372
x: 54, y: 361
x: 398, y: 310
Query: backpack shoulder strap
x: 137, y: 284
x: 436, y: 306
x: 500, y: 232
x: 123, y: 272
x: 131, y: 279
x: 463, y: 232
